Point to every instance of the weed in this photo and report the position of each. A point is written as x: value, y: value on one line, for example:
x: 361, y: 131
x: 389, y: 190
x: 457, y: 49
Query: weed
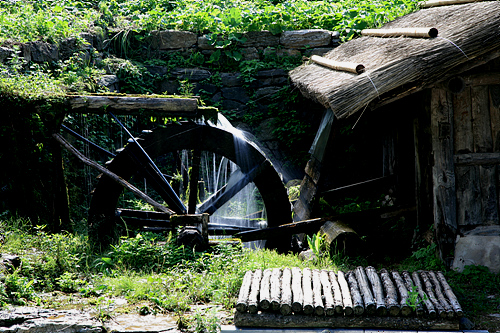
x: 206, y: 321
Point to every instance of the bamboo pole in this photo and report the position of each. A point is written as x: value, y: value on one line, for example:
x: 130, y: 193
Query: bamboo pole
x: 435, y: 3
x: 338, y: 65
x: 406, y: 32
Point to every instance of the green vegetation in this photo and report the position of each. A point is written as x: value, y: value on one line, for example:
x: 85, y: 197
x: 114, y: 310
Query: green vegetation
x: 52, y: 21
x: 156, y: 276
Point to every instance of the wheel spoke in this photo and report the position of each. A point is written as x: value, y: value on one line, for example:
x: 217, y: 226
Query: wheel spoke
x: 237, y: 182
x: 193, y: 181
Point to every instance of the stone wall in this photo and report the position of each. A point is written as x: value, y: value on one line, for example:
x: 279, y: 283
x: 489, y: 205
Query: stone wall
x: 229, y: 91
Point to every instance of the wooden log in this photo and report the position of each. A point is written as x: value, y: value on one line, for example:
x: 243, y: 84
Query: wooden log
x: 412, y: 288
x: 111, y: 175
x: 431, y: 311
x: 397, y: 32
x: 432, y: 296
x: 307, y: 290
x: 451, y: 296
x: 298, y: 296
x: 265, y: 290
x: 253, y: 297
x: 275, y: 289
x: 319, y: 308
x: 286, y: 292
x: 439, y: 294
x: 242, y: 303
x: 338, y: 65
x: 341, y: 294
x: 378, y: 291
x: 129, y: 105
x: 403, y: 293
x: 391, y: 295
x: 357, y: 299
x: 327, y: 293
x: 280, y: 322
x: 365, y: 289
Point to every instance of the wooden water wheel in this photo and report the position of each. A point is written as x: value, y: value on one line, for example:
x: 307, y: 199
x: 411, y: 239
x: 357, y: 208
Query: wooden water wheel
x: 196, y: 137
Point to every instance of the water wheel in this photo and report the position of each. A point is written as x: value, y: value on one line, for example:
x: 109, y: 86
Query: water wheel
x: 195, y: 137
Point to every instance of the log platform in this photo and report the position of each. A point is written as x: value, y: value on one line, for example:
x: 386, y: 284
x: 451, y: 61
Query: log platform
x: 379, y: 299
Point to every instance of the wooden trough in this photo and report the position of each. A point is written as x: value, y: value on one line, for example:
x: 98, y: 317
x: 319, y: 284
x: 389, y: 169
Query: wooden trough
x: 362, y: 298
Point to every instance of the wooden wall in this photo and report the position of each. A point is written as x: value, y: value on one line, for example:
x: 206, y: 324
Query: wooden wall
x: 465, y: 130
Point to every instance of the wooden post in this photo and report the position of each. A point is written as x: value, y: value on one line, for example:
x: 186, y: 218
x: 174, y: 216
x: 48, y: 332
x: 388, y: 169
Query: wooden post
x: 319, y: 309
x: 391, y: 298
x: 357, y: 299
x: 364, y: 286
x: 445, y: 221
x: 377, y: 290
x: 275, y: 289
x: 327, y: 293
x: 341, y: 295
x: 253, y: 298
x: 403, y: 293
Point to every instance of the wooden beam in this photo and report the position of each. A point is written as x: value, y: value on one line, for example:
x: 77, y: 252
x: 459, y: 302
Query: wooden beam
x: 274, y: 320
x: 313, y: 225
x: 477, y: 159
x: 111, y: 175
x: 134, y: 105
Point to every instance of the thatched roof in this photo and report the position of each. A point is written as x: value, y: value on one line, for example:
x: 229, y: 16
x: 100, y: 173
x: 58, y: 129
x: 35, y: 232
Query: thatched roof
x: 404, y: 64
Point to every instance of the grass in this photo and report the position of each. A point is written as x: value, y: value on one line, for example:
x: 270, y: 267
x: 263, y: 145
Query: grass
x: 156, y: 276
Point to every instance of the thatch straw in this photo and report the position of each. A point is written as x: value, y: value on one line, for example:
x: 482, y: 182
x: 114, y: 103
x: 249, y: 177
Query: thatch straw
x: 406, y: 32
x: 394, y: 62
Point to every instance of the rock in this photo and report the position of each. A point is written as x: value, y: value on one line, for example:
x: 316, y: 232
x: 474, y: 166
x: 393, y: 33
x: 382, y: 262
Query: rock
x: 307, y: 255
x: 231, y: 79
x: 238, y: 94
x: 129, y: 323
x: 206, y: 87
x: 265, y: 130
x: 319, y: 51
x: 6, y: 53
x: 466, y: 324
x: 67, y: 47
x: 305, y: 38
x: 172, y: 39
x: 170, y: 87
x: 250, y: 53
x: 40, y: 52
x: 480, y: 246
x: 272, y: 73
x: 34, y: 320
x: 235, y: 106
x: 191, y: 74
x: 111, y: 82
x: 272, y: 51
x: 260, y: 39
x: 266, y: 93
x: 157, y: 70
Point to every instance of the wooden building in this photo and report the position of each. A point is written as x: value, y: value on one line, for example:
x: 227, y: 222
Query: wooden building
x: 439, y: 99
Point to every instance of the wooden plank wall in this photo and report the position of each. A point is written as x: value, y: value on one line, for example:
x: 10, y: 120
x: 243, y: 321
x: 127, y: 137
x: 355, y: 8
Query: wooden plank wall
x: 477, y: 132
